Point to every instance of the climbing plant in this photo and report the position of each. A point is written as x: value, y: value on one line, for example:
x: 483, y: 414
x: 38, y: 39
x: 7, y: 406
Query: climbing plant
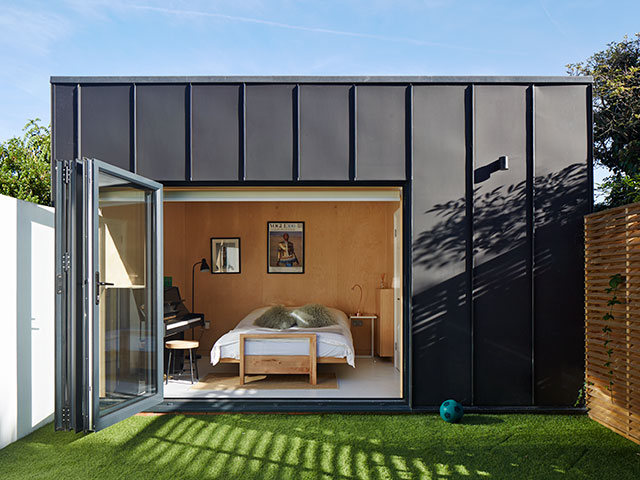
x: 614, y: 284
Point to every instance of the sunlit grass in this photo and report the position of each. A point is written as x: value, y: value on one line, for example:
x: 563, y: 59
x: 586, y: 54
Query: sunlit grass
x: 344, y: 447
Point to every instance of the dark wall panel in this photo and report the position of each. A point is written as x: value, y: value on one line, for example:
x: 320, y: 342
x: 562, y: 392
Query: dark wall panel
x: 479, y: 346
x: 269, y: 124
x: 502, y: 249
x: 324, y: 132
x: 105, y: 123
x: 64, y: 122
x: 561, y: 199
x: 215, y: 126
x: 161, y: 131
x: 441, y: 324
x: 381, y: 133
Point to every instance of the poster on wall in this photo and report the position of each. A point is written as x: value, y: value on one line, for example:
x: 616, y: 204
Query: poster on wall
x: 285, y: 247
x: 225, y: 255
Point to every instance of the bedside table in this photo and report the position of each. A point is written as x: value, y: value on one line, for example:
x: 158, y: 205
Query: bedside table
x: 354, y: 319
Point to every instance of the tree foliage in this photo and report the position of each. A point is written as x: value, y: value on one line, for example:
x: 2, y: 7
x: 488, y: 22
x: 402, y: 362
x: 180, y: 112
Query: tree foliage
x: 25, y: 164
x: 616, y: 116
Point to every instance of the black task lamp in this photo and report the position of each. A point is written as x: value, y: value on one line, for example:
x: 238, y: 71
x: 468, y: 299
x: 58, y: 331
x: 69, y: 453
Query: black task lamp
x: 204, y: 267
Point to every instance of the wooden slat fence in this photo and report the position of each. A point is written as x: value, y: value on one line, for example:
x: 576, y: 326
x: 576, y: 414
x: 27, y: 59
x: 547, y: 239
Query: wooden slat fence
x: 612, y: 246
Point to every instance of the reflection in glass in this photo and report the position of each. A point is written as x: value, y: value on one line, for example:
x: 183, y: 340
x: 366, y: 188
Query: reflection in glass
x: 127, y: 349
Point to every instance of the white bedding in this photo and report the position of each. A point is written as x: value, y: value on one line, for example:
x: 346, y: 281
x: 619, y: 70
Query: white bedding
x: 333, y: 341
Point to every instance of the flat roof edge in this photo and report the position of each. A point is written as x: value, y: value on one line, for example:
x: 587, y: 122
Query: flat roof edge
x: 325, y: 79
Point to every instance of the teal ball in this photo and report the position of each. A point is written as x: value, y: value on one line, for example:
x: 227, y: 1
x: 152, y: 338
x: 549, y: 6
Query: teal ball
x: 451, y: 411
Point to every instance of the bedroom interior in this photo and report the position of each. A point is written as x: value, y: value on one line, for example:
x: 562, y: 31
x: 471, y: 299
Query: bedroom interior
x: 348, y: 242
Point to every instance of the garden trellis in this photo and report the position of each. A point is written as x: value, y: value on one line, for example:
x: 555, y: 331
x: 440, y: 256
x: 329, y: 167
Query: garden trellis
x: 612, y: 318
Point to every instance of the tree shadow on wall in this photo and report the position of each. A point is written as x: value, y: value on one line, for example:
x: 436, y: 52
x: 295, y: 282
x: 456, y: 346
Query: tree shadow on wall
x: 502, y: 335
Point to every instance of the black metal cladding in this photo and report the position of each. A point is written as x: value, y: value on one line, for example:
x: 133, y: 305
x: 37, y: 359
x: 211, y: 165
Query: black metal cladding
x: 441, y: 324
x: 161, y: 131
x: 501, y: 286
x: 381, y: 132
x: 215, y: 132
x: 324, y: 132
x: 496, y: 276
x: 64, y: 121
x: 105, y: 123
x: 561, y: 198
x: 270, y: 121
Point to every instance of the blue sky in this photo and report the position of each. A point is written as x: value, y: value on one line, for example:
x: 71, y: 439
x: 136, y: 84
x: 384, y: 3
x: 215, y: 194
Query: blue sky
x: 258, y: 37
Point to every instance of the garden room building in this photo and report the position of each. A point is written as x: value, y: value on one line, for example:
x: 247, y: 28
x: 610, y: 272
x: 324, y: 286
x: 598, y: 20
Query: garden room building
x: 423, y: 233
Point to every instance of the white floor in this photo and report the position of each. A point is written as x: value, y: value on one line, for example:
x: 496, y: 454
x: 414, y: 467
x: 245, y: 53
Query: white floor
x: 372, y: 378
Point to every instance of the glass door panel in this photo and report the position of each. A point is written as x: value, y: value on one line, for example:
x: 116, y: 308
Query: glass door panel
x: 126, y: 269
x: 109, y: 324
x: 126, y: 358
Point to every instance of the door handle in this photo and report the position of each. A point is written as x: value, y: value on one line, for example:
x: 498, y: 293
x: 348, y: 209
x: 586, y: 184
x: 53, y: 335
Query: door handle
x: 98, y: 285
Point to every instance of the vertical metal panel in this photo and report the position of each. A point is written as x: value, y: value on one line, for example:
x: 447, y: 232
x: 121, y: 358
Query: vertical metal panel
x: 468, y: 234
x: 531, y: 162
x: 64, y: 122
x: 215, y: 132
x: 502, y: 287
x: 161, y: 131
x: 353, y: 131
x: 381, y: 132
x: 189, y: 133
x: 269, y: 127
x: 296, y: 133
x: 105, y: 123
x: 134, y: 133
x: 324, y: 132
x: 440, y: 325
x: 561, y: 199
x: 407, y: 261
x: 243, y: 132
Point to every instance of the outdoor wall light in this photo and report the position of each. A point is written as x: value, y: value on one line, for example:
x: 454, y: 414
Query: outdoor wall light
x: 503, y: 162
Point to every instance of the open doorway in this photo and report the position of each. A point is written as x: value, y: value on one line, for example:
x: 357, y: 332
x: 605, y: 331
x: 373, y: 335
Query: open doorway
x: 268, y: 249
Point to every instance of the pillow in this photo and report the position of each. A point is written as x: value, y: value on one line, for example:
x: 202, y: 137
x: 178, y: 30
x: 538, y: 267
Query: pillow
x: 313, y: 315
x: 277, y: 317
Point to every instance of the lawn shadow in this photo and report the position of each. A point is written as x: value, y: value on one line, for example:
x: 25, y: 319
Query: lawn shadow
x: 481, y: 420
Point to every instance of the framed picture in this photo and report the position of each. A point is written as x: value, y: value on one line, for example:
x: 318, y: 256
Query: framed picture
x: 285, y: 247
x: 225, y: 255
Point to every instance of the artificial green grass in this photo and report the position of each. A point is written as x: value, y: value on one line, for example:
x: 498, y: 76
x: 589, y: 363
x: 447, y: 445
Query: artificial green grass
x: 281, y: 447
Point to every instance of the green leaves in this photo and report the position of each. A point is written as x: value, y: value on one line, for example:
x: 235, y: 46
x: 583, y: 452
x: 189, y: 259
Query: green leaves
x: 616, y: 280
x: 616, y: 107
x: 25, y: 164
x: 614, y: 284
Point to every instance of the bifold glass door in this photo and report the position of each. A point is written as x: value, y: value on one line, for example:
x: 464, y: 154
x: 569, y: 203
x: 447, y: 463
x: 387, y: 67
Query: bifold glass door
x: 109, y: 326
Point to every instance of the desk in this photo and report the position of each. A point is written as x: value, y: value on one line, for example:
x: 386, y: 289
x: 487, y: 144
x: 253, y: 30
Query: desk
x: 372, y: 322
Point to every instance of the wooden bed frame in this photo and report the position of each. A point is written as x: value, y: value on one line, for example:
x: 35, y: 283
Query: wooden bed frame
x: 267, y: 364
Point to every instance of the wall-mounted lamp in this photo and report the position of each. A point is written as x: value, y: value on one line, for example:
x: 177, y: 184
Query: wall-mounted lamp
x: 359, y: 301
x: 503, y: 162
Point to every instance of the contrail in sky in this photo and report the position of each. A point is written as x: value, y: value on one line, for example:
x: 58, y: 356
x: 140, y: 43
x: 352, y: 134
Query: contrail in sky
x: 269, y: 23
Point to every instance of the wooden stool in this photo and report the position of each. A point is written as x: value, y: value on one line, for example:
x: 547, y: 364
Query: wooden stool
x: 190, y: 345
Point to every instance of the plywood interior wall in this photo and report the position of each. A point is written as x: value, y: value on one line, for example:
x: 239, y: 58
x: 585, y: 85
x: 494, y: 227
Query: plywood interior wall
x: 345, y: 243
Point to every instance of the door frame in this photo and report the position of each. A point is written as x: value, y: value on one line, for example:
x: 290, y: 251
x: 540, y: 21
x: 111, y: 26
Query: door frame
x: 154, y: 241
x: 77, y: 315
x: 401, y: 404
